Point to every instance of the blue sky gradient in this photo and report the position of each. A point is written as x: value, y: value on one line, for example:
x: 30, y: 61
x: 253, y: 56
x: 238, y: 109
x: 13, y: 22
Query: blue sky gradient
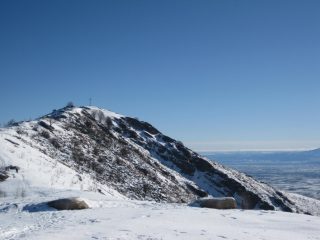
x: 217, y: 75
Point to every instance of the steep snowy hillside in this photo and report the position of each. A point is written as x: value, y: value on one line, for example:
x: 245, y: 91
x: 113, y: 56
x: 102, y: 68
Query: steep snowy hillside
x: 88, y: 148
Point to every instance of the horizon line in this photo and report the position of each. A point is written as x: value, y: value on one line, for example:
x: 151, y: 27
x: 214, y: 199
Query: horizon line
x: 254, y: 150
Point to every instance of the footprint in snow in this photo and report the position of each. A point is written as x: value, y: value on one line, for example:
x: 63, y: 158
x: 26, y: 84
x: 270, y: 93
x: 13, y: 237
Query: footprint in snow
x: 263, y: 212
x: 94, y: 220
x: 221, y: 236
x: 141, y: 236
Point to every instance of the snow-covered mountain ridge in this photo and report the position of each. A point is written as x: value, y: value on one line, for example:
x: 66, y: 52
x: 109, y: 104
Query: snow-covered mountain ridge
x: 92, y: 149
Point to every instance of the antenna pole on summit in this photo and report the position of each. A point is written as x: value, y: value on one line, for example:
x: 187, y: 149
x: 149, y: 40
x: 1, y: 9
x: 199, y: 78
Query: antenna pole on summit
x: 90, y: 101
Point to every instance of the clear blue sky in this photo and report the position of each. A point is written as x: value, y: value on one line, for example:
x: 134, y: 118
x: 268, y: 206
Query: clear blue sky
x: 213, y: 74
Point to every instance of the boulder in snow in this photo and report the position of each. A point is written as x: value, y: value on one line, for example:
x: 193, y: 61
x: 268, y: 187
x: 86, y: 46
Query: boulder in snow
x: 218, y: 203
x: 68, y: 204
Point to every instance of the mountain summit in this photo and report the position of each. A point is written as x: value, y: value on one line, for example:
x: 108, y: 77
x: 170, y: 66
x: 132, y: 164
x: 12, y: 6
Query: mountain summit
x: 93, y: 149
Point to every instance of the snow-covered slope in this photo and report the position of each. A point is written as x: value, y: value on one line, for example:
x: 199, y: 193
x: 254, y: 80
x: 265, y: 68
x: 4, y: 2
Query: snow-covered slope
x: 38, y: 170
x: 92, y: 149
x: 112, y: 219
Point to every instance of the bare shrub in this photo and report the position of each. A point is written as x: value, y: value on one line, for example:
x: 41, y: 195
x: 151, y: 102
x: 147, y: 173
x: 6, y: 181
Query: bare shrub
x: 55, y: 143
x: 10, y: 123
x: 45, y: 134
x: 20, y: 131
x: 35, y: 128
x: 70, y: 104
x: 109, y: 123
x: 124, y: 152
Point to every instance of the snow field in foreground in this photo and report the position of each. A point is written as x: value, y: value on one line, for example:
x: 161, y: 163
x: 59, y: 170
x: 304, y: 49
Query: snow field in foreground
x: 110, y: 218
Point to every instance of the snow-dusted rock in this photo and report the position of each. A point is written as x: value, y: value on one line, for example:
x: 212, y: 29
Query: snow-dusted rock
x: 68, y: 204
x: 218, y: 203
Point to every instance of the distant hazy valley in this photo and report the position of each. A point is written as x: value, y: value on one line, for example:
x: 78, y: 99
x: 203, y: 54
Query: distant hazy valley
x: 297, y: 172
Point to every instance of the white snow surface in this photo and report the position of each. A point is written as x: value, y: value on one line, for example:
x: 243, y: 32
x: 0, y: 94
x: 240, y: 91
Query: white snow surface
x: 112, y: 218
